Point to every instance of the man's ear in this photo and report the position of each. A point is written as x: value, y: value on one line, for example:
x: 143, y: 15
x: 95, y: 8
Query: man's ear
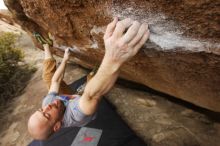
x: 57, y: 126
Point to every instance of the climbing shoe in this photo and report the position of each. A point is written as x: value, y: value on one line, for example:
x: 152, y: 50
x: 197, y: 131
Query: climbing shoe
x: 43, y: 40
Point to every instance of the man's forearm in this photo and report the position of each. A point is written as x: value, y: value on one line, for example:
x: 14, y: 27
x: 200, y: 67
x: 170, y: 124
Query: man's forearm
x: 58, y: 75
x: 103, y: 81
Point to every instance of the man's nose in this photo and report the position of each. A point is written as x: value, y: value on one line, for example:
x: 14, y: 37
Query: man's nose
x: 48, y: 107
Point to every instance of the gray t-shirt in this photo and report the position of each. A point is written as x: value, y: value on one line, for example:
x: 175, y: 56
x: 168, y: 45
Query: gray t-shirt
x: 73, y: 115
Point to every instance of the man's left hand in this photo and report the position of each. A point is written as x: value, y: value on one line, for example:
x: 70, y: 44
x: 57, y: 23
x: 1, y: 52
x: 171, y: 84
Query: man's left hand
x: 121, y: 45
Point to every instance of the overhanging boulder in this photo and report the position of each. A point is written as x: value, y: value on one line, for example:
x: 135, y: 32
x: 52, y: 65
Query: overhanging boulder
x: 182, y: 57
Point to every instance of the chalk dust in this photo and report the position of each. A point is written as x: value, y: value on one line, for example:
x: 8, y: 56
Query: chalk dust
x: 164, y: 33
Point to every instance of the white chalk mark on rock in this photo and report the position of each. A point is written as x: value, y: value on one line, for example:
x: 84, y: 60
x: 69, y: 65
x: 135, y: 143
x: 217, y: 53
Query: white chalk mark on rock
x: 96, y: 31
x: 73, y: 48
x: 166, y: 34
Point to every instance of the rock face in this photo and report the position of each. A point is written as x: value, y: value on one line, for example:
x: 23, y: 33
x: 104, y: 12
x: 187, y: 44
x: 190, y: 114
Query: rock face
x: 5, y: 15
x: 182, y: 57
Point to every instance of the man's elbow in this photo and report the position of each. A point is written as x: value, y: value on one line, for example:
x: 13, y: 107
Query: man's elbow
x: 92, y: 95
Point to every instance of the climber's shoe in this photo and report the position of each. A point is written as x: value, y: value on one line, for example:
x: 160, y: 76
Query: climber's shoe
x: 42, y: 40
x: 50, y: 39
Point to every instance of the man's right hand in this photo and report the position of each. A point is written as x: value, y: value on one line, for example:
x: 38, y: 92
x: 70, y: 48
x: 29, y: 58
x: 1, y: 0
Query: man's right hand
x: 121, y: 46
x: 66, y: 55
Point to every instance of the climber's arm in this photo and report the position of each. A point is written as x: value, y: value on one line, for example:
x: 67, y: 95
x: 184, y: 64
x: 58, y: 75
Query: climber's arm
x: 99, y: 85
x: 59, y: 73
x: 120, y: 47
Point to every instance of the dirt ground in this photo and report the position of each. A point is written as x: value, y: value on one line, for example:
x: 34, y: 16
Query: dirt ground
x: 159, y: 121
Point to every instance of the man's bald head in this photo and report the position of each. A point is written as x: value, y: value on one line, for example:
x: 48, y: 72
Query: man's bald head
x: 38, y: 127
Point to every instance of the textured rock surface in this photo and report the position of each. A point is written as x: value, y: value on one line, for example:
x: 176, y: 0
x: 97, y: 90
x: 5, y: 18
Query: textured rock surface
x: 163, y: 123
x: 5, y: 15
x: 181, y: 59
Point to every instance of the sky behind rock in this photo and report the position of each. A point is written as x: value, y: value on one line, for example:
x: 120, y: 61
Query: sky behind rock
x: 2, y: 5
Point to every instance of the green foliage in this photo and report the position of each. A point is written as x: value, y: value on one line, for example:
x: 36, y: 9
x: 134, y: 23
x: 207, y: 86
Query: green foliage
x: 9, y: 56
x: 13, y: 72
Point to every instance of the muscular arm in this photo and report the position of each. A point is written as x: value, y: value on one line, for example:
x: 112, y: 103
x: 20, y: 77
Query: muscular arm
x: 59, y: 74
x: 103, y: 81
x: 120, y: 47
x: 99, y: 85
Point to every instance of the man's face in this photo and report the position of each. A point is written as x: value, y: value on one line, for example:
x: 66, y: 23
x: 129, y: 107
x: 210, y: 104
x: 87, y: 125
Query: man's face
x: 51, y: 112
x: 45, y: 118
